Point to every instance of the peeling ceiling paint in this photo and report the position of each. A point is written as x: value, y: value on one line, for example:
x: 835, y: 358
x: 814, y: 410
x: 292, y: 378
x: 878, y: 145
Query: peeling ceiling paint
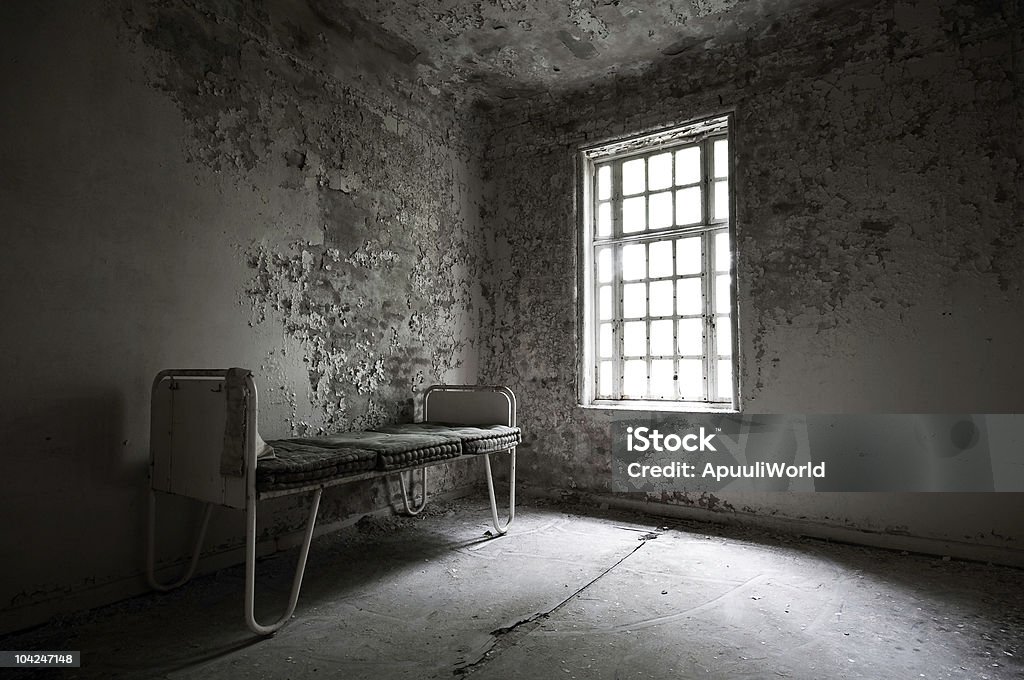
x: 501, y: 49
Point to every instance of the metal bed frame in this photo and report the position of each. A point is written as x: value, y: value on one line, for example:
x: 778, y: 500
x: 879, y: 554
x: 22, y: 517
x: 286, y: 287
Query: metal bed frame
x: 186, y: 442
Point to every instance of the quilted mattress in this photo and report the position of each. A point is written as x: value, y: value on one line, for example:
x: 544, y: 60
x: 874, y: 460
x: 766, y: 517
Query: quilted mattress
x: 298, y: 462
x: 397, y: 450
x: 475, y: 439
x: 302, y: 461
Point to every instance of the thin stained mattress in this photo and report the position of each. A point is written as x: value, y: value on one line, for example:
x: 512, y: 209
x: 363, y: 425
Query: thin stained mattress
x: 302, y: 461
x: 475, y: 439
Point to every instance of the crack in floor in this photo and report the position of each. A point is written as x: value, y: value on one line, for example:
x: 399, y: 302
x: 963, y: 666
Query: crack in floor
x: 509, y: 636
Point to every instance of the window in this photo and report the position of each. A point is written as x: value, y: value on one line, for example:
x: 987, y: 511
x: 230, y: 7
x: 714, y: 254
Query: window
x: 659, y: 309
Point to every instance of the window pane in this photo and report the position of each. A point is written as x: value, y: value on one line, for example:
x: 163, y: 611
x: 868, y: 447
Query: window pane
x: 634, y: 339
x: 634, y: 214
x: 721, y: 158
x: 604, y: 265
x: 688, y: 165
x: 724, y: 386
x: 721, y: 199
x: 663, y: 385
x: 691, y: 337
x: 634, y: 262
x: 604, y: 182
x: 688, y: 297
x: 670, y: 298
x: 661, y: 210
x: 688, y: 206
x: 634, y: 300
x: 723, y: 336
x: 604, y: 379
x: 604, y: 219
x: 691, y: 379
x: 661, y: 338
x: 722, y: 256
x: 659, y: 171
x: 634, y: 378
x: 604, y: 303
x: 660, y: 259
x: 722, y: 302
x: 604, y: 341
x: 688, y: 256
x: 661, y: 298
x: 633, y: 181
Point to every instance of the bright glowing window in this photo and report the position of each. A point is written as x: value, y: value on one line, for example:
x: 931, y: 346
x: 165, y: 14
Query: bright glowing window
x: 659, y: 307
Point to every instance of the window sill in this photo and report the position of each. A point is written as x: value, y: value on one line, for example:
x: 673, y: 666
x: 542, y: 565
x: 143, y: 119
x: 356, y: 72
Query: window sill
x: 659, y: 406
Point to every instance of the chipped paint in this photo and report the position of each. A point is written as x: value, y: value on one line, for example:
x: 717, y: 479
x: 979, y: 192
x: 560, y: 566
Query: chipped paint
x: 243, y: 184
x: 383, y: 298
x: 299, y: 188
x: 496, y: 51
x: 880, y: 233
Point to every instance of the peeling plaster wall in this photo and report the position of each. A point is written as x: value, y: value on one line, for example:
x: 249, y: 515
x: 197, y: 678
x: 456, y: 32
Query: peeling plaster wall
x: 880, y: 239
x: 211, y: 184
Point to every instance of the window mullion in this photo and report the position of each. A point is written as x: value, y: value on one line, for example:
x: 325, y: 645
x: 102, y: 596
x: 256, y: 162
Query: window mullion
x: 617, y: 327
x: 676, y: 361
x: 647, y: 316
x: 709, y: 284
x: 647, y: 272
x: 712, y: 367
x: 597, y: 322
x: 595, y: 284
x: 676, y: 366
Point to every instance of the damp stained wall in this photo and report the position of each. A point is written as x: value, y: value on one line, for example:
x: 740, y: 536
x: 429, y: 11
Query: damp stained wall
x: 270, y: 184
x: 879, y: 150
x: 211, y: 185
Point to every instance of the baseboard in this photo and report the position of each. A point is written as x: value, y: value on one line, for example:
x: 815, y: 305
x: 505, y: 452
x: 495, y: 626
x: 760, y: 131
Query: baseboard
x: 70, y: 603
x: 976, y: 552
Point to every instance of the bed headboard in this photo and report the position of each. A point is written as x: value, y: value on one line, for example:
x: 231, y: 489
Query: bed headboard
x: 188, y: 415
x: 470, y: 404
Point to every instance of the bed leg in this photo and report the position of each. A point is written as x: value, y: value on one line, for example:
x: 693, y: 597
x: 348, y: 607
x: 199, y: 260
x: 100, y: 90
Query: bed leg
x: 250, y: 567
x: 511, y: 492
x: 409, y: 509
x: 151, y: 547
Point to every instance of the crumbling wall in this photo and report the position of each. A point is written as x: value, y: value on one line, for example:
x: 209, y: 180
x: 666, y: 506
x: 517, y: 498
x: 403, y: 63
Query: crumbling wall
x: 880, y: 244
x: 376, y: 277
x: 213, y: 184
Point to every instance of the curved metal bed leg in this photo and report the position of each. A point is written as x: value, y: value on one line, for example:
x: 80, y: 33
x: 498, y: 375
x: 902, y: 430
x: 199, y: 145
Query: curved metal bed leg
x: 250, y: 568
x: 151, y: 548
x: 409, y: 510
x: 511, y: 492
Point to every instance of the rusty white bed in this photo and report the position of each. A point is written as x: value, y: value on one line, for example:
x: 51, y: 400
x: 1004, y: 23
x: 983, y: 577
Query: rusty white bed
x: 205, y: 445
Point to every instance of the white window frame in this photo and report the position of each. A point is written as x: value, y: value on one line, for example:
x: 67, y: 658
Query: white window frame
x: 613, y: 153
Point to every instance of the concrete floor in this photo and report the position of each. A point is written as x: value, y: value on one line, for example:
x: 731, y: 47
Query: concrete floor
x: 567, y: 595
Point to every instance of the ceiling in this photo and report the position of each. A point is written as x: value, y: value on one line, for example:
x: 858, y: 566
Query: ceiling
x: 513, y: 48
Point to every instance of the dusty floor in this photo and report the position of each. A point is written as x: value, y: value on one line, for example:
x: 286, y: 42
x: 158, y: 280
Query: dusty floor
x: 566, y: 595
